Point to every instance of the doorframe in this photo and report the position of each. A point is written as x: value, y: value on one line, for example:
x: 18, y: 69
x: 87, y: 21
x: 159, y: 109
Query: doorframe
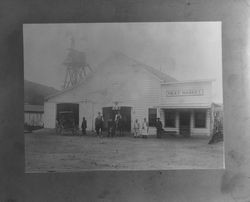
x: 130, y: 112
x: 190, y: 123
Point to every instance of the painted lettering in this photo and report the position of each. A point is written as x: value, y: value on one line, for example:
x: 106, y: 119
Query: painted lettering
x: 185, y: 92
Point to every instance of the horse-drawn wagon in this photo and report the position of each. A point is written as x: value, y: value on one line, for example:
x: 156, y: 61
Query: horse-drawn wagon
x: 66, y: 123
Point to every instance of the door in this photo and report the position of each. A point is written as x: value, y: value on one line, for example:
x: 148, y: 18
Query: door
x: 69, y: 107
x: 126, y: 118
x: 184, y: 123
x: 109, y: 113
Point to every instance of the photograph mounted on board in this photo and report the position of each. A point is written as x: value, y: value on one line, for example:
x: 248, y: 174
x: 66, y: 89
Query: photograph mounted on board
x: 123, y: 96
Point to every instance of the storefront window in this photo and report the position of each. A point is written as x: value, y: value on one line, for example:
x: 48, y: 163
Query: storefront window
x: 170, y: 118
x: 152, y: 115
x: 200, y: 119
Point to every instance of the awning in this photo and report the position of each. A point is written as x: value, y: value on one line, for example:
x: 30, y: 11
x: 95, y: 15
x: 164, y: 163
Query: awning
x: 185, y: 106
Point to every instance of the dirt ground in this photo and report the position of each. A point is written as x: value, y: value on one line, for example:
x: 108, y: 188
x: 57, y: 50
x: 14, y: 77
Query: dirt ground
x: 47, y: 152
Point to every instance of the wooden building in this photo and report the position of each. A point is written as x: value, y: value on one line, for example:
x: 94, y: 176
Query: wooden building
x: 139, y: 91
x: 33, y: 115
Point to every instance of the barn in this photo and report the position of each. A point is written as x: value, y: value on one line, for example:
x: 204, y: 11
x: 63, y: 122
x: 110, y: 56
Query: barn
x: 33, y: 115
x: 138, y: 91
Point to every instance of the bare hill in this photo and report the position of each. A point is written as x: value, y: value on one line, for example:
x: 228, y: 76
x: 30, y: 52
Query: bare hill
x: 35, y: 93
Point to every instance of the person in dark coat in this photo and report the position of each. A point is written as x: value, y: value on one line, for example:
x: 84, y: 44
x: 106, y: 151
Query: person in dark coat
x: 119, y: 125
x: 102, y: 126
x: 158, y: 126
x: 84, y: 126
x: 98, y: 124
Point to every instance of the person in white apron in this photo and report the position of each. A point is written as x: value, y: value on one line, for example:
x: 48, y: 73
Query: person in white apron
x: 144, y: 128
x: 136, y: 128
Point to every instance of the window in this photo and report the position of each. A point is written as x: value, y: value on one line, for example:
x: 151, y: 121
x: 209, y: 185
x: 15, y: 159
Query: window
x: 170, y: 118
x: 200, y: 119
x: 152, y: 115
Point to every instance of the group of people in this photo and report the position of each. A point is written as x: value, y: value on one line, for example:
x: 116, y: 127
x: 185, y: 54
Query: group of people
x: 99, y: 125
x: 115, y: 126
x: 142, y: 130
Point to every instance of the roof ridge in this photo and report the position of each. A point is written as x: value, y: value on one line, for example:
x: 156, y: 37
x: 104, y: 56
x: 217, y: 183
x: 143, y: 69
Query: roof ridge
x: 160, y: 75
x: 149, y: 68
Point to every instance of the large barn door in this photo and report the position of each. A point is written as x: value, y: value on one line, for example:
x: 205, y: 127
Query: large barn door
x: 126, y: 118
x: 109, y: 113
x: 69, y: 107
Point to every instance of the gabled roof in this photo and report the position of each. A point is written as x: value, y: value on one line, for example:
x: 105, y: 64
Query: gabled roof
x: 160, y: 75
x: 121, y: 58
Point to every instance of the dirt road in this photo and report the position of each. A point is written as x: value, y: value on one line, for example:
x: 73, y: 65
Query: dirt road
x: 47, y: 152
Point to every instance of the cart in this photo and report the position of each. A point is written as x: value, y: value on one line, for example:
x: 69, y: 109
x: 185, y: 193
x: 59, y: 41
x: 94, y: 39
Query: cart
x: 66, y: 123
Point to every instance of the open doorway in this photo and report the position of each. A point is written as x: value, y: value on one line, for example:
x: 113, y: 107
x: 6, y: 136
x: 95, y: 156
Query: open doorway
x: 68, y: 107
x: 109, y: 113
x: 184, y: 123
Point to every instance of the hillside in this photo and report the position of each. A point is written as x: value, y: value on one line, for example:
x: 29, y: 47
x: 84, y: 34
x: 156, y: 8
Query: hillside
x: 35, y: 93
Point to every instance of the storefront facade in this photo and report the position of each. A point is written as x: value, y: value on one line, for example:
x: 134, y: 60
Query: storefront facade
x: 185, y: 107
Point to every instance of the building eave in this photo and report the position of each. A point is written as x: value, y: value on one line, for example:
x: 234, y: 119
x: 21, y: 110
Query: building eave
x: 189, y: 81
x: 185, y: 106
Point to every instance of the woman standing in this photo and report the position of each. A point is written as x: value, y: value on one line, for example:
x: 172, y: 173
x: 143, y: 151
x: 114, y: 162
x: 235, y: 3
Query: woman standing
x: 136, y: 128
x: 144, y: 129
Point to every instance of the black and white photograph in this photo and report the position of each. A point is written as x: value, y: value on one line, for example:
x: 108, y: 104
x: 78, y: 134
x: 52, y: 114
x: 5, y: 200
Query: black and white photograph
x: 123, y: 96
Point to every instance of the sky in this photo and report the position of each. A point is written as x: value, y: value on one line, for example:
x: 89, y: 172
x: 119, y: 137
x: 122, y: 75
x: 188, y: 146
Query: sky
x: 184, y: 50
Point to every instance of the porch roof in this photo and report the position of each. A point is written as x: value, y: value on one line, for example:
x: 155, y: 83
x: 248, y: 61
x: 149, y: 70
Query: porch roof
x: 185, y: 106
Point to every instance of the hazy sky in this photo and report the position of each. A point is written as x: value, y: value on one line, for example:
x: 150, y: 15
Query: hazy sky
x: 184, y: 50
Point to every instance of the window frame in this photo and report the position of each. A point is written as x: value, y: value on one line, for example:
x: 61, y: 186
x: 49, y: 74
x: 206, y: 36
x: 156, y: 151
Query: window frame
x: 166, y: 121
x: 197, y: 125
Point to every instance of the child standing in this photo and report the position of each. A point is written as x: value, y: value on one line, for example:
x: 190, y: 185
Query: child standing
x: 144, y: 130
x: 136, y: 128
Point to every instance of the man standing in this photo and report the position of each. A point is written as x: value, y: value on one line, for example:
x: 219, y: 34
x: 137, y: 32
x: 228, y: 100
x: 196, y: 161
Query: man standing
x: 84, y: 126
x: 98, y: 123
x: 158, y: 126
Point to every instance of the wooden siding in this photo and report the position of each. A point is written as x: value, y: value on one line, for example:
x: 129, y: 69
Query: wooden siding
x: 49, y: 115
x: 33, y: 119
x: 139, y: 90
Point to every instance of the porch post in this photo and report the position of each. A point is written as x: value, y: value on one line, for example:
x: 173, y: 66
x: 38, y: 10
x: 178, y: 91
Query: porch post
x: 158, y: 112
